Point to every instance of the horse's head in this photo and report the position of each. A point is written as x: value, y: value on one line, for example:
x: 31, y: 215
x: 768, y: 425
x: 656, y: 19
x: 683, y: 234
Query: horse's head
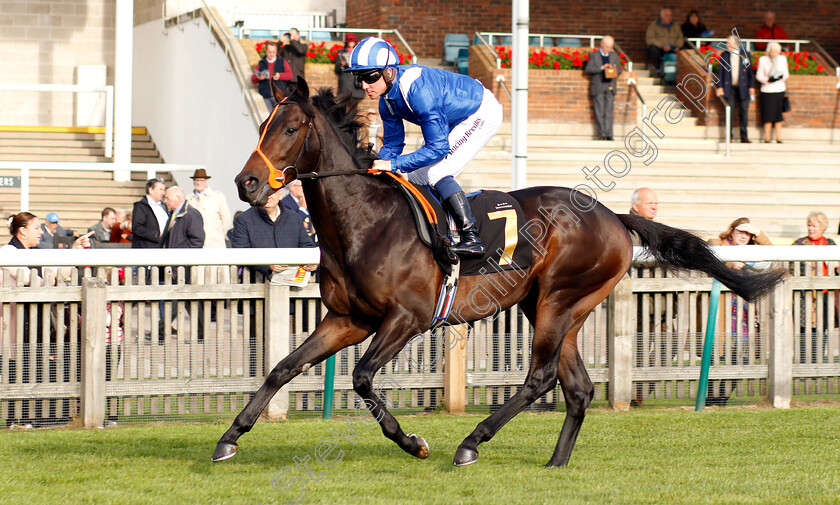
x: 287, y: 146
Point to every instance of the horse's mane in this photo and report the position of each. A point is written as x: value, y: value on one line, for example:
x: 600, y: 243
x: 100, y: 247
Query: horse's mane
x: 344, y: 118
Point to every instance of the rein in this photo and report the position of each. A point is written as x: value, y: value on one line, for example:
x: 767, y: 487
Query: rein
x: 277, y: 178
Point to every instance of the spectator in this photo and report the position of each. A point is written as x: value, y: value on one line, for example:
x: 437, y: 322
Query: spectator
x: 817, y: 224
x: 270, y: 68
x: 770, y: 30
x: 102, y: 229
x: 605, y: 69
x: 740, y: 232
x: 149, y: 217
x: 51, y: 229
x: 295, y: 51
x: 736, y: 84
x: 375, y: 137
x: 213, y: 208
x: 644, y: 203
x: 348, y: 85
x: 296, y: 202
x: 662, y: 37
x: 772, y: 73
x: 268, y: 226
x: 26, y: 231
x: 121, y: 231
x: 693, y: 28
x: 184, y: 230
x: 229, y: 234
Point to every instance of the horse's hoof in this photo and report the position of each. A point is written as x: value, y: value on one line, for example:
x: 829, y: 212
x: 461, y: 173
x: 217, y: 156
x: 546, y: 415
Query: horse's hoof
x: 224, y: 451
x: 464, y: 456
x: 423, y: 452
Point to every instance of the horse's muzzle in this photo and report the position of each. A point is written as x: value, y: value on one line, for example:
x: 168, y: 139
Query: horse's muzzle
x: 252, y: 190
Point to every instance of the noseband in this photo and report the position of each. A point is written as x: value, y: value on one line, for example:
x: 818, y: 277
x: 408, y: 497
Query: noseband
x: 277, y: 178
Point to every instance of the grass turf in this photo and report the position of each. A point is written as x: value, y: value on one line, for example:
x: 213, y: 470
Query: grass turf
x: 646, y: 456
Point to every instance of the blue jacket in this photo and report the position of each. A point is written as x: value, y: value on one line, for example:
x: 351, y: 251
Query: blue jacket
x: 746, y: 79
x: 253, y: 228
x: 434, y: 99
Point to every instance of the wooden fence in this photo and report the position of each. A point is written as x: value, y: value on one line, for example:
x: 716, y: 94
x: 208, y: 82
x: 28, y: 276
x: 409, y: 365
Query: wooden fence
x: 88, y: 347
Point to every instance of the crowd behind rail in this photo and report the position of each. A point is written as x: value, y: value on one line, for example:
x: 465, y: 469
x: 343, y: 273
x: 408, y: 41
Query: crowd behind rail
x: 192, y: 343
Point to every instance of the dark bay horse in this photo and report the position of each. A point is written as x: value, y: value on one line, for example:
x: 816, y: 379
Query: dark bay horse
x: 378, y: 279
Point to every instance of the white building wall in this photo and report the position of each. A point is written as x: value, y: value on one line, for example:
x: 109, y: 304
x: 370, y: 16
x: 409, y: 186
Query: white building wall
x: 185, y: 93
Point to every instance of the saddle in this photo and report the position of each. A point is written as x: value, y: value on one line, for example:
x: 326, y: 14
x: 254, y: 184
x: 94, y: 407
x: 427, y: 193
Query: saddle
x: 499, y: 220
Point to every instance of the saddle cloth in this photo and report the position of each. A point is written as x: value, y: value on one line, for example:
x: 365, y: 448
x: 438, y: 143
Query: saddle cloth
x: 499, y: 220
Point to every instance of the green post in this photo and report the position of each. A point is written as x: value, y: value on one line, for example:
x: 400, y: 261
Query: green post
x: 329, y: 380
x: 708, y: 344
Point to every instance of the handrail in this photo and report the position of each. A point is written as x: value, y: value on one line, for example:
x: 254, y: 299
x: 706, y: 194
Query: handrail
x: 374, y: 31
x: 542, y: 37
x: 795, y: 42
x: 501, y: 80
x: 828, y: 60
x: 631, y: 81
x: 492, y: 51
x: 26, y: 166
x: 78, y: 88
x: 155, y: 257
x: 728, y: 112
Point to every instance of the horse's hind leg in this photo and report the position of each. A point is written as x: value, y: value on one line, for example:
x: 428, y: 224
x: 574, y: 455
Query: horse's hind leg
x: 332, y: 334
x: 578, y: 390
x: 390, y: 338
x: 542, y: 377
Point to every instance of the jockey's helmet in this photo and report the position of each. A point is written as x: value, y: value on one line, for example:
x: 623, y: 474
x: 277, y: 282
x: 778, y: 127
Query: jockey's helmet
x: 372, y: 53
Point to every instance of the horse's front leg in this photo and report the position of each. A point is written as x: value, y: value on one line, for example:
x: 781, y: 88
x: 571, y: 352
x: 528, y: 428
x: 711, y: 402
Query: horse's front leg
x: 396, y: 330
x: 332, y: 334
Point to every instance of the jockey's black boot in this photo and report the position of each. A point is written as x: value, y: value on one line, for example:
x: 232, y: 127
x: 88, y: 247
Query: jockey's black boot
x: 470, y: 245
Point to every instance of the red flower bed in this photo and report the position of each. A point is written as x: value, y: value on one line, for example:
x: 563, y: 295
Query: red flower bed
x: 801, y: 63
x: 319, y: 52
x: 557, y: 59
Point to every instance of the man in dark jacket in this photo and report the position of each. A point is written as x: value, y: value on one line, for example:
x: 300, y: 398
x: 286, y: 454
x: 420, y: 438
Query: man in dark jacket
x: 736, y: 83
x: 185, y: 227
x: 183, y: 230
x: 268, y: 226
x: 294, y: 51
x: 149, y: 217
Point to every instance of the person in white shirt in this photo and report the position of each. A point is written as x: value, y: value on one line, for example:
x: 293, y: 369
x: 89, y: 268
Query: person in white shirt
x: 773, y: 74
x: 213, y: 207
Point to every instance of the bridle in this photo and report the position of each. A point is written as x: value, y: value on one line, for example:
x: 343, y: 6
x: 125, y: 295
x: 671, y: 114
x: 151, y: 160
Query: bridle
x: 277, y: 178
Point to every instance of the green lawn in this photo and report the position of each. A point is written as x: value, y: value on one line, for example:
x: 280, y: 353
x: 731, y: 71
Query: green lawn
x: 669, y: 456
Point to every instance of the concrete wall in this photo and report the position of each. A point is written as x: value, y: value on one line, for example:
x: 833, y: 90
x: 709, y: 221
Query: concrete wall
x: 43, y: 42
x: 191, y: 103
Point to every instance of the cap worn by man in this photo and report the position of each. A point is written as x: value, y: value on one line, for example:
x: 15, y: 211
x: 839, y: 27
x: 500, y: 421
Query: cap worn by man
x: 52, y: 217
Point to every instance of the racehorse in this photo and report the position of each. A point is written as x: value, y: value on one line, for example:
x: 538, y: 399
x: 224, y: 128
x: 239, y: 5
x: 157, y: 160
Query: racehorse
x: 378, y: 278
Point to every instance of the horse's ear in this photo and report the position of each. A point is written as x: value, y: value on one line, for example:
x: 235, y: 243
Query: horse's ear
x: 302, y: 88
x: 280, y: 92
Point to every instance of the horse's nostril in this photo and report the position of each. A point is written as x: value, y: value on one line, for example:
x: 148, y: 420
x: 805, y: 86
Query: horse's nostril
x: 248, y: 182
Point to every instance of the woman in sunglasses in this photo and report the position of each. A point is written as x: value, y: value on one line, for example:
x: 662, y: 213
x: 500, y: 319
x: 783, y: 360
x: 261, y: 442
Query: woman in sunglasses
x: 455, y: 112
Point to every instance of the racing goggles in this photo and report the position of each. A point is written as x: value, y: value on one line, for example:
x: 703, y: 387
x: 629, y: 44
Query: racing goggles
x: 370, y: 77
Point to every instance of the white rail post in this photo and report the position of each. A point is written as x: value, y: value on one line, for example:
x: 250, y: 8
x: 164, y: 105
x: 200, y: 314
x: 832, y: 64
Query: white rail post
x: 109, y: 121
x: 276, y: 343
x: 621, y: 327
x: 124, y: 47
x: 24, y: 189
x: 780, y: 369
x: 93, y: 352
x: 728, y: 129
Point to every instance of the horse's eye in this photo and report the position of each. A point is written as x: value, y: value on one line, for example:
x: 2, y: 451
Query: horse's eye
x: 291, y: 131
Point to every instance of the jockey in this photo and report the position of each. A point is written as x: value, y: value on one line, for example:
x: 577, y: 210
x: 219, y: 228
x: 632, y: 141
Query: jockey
x: 456, y: 114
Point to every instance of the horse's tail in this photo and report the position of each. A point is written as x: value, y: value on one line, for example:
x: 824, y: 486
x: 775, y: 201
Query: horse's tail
x: 680, y: 249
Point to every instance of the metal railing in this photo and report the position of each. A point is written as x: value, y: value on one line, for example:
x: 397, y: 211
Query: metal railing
x: 77, y: 88
x: 632, y: 83
x: 489, y: 47
x: 488, y: 41
x: 728, y: 112
x: 796, y: 47
x: 26, y: 167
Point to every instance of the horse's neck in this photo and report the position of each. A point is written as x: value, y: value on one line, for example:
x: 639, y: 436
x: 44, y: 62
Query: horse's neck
x: 346, y: 210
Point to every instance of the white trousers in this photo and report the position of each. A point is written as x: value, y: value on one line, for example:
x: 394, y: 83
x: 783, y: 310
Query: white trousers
x: 465, y: 142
